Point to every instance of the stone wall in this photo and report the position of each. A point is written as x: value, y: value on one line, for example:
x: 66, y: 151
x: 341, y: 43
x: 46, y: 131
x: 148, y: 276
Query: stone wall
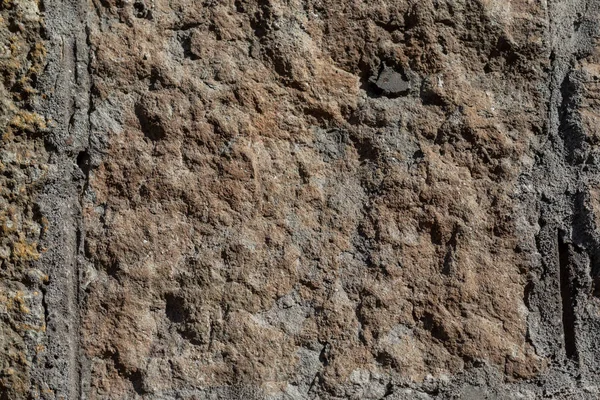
x: 285, y: 199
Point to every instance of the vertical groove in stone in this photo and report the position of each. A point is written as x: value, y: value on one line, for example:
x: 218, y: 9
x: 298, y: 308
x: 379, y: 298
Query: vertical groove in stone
x: 567, y: 292
x: 66, y: 86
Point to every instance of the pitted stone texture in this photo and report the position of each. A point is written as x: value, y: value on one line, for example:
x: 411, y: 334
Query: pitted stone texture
x: 255, y: 216
x: 23, y: 169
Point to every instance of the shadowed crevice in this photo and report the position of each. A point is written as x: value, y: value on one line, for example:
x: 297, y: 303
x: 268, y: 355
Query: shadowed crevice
x: 567, y: 294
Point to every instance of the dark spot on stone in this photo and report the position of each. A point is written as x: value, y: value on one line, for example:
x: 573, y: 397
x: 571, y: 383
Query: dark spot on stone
x: 150, y: 123
x: 389, y: 82
x: 141, y: 11
x: 83, y: 161
x: 185, y: 39
x: 174, y: 308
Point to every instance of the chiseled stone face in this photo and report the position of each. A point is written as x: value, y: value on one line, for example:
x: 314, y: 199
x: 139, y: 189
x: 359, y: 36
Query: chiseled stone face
x: 262, y: 213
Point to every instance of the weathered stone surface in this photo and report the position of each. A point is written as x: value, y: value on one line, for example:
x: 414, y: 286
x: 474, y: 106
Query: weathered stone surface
x: 23, y: 168
x: 299, y: 199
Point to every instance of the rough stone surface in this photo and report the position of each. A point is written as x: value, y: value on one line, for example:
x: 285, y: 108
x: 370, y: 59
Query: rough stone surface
x: 23, y: 168
x: 286, y: 199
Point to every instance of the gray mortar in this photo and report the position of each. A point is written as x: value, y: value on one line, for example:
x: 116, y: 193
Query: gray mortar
x: 567, y: 243
x: 66, y: 84
x: 559, y: 326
